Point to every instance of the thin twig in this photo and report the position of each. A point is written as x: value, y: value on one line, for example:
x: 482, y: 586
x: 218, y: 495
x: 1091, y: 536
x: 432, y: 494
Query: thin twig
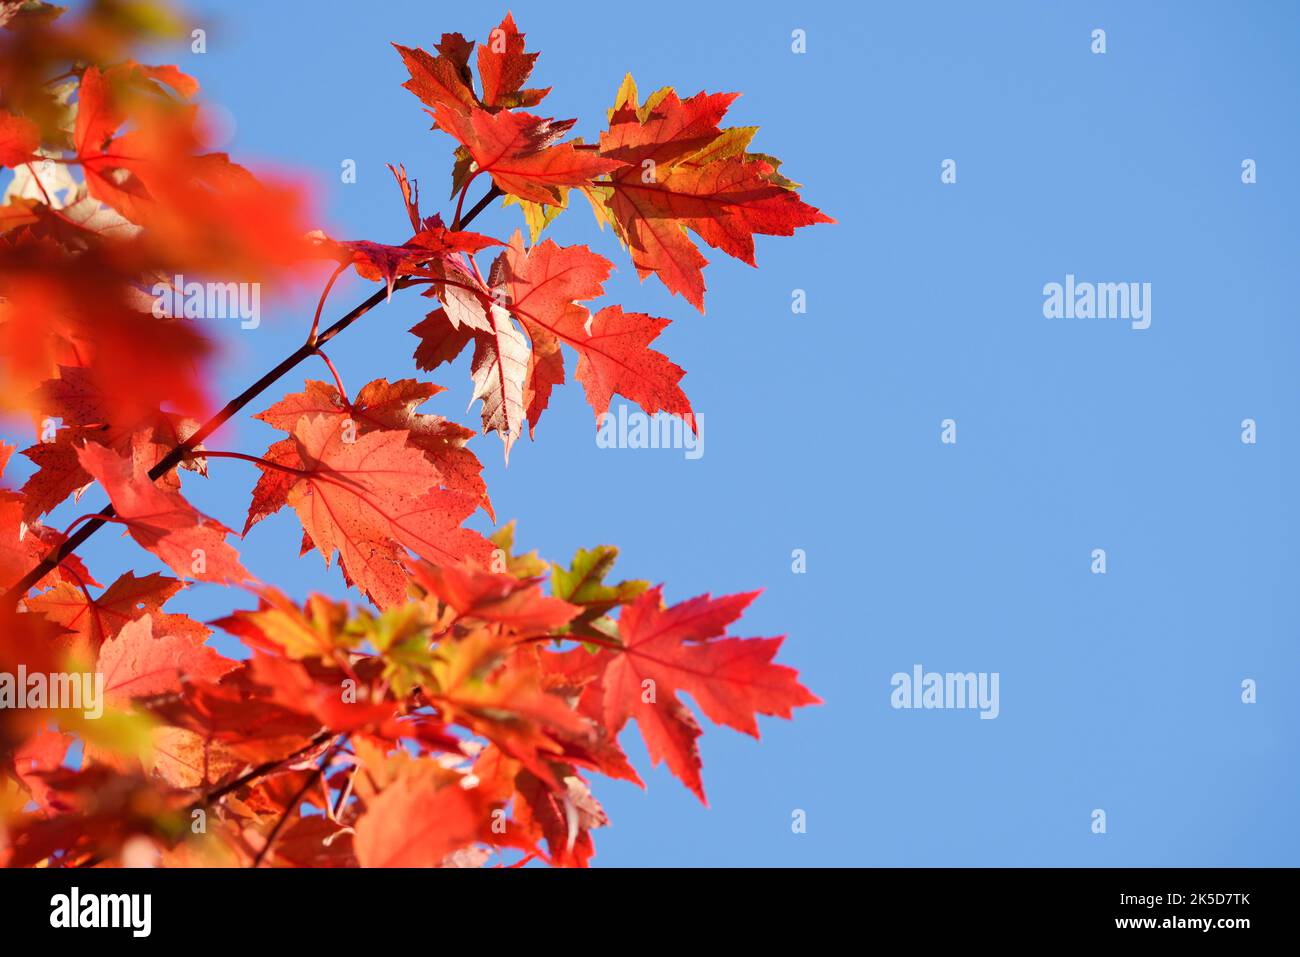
x: 296, y: 800
x: 338, y: 379
x: 263, y: 769
x: 460, y: 202
x: 49, y: 203
x: 320, y: 305
x: 263, y: 463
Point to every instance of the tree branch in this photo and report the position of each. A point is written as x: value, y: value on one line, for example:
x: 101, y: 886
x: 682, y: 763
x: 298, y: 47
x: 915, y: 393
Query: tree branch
x: 294, y: 801
x: 481, y: 205
x: 263, y: 769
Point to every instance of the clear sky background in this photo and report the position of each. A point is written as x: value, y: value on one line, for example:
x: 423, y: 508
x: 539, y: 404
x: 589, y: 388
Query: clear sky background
x: 822, y: 430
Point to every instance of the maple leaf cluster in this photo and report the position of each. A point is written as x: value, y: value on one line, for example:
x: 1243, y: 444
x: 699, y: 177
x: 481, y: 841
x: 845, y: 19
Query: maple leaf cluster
x: 460, y: 711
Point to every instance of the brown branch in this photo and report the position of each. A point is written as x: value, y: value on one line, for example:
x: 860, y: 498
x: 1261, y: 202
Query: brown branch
x: 263, y: 769
x: 481, y: 205
x: 296, y: 800
x: 178, y: 453
x: 266, y: 767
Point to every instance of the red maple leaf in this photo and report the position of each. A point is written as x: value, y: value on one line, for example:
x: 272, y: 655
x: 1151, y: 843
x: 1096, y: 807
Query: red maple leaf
x: 379, y: 405
x: 545, y: 285
x: 504, y: 67
x: 95, y: 620
x: 517, y: 603
x: 160, y: 520
x: 372, y: 498
x: 80, y: 398
x: 669, y: 650
x: 442, y: 80
x: 684, y: 172
x: 445, y: 79
x: 19, y: 139
x: 138, y: 662
x: 418, y: 820
x: 433, y: 243
x: 519, y: 151
x: 499, y: 370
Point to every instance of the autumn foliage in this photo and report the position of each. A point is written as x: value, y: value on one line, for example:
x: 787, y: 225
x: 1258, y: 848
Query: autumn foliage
x: 454, y: 712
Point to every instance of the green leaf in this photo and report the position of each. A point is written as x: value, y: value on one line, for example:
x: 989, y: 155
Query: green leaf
x: 583, y: 584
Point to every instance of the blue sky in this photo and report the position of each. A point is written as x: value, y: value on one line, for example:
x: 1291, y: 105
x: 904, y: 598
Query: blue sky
x: 925, y: 302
